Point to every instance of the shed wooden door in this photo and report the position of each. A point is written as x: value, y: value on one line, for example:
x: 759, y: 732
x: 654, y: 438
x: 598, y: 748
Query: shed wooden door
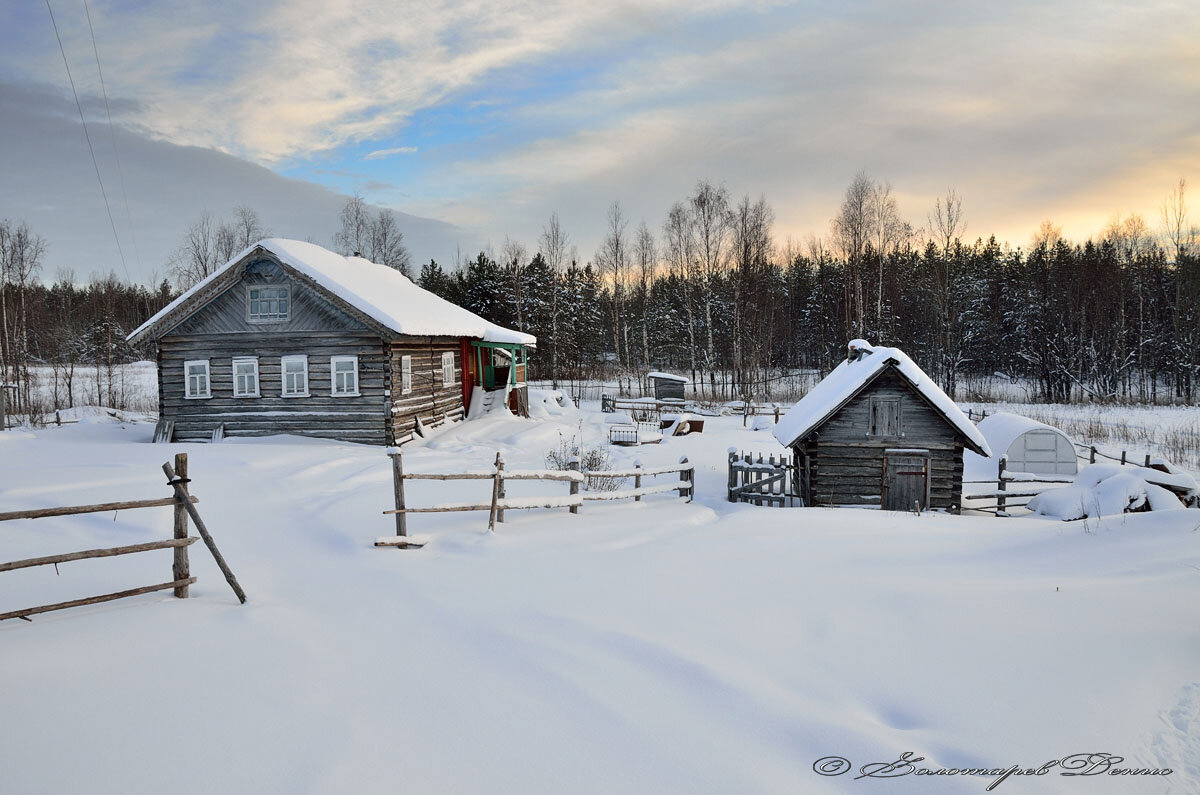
x: 905, y: 480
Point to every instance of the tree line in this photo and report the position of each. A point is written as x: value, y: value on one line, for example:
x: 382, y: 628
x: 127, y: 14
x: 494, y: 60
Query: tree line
x: 710, y: 292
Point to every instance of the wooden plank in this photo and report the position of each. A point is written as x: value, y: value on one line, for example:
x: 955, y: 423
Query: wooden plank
x: 180, y: 569
x: 103, y: 507
x: 91, y: 600
x: 400, y: 542
x: 107, y: 552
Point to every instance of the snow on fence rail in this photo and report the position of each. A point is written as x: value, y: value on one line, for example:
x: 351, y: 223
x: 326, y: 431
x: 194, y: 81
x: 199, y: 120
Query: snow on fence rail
x: 185, y: 508
x: 499, y: 503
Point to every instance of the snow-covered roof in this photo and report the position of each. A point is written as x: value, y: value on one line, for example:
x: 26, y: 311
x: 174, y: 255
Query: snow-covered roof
x: 667, y: 377
x: 382, y: 293
x: 1001, y: 430
x: 849, y: 378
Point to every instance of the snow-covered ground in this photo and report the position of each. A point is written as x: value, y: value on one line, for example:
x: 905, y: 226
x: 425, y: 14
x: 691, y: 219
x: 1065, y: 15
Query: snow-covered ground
x: 649, y: 647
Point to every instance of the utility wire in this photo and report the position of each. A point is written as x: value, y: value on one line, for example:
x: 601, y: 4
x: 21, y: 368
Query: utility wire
x: 86, y: 135
x: 112, y: 132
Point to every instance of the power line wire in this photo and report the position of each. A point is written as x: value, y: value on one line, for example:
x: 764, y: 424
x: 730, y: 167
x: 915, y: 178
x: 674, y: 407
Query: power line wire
x: 112, y: 132
x: 86, y: 135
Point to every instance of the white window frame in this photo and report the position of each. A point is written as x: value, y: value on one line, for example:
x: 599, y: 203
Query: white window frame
x: 187, y: 380
x: 333, y: 363
x: 257, y: 387
x: 271, y: 318
x: 283, y: 375
x: 405, y: 375
x: 448, y: 369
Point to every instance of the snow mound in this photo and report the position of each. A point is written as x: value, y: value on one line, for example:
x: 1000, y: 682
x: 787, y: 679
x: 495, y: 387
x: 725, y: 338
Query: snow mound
x: 1102, y: 490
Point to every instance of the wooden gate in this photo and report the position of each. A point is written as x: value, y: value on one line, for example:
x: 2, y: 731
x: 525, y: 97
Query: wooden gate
x: 905, y: 480
x: 763, y: 482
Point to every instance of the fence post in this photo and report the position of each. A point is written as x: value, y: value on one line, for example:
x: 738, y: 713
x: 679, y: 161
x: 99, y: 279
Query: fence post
x: 1122, y: 458
x: 495, y: 493
x: 1001, y: 485
x: 685, y: 477
x: 732, y: 474
x: 745, y: 411
x: 502, y: 493
x: 1092, y: 455
x: 1147, y: 460
x: 637, y: 481
x: 181, y: 569
x: 777, y: 415
x: 398, y: 490
x: 573, y: 465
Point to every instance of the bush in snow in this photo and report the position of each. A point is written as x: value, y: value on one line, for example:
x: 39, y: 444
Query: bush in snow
x: 592, y: 459
x: 1104, y: 489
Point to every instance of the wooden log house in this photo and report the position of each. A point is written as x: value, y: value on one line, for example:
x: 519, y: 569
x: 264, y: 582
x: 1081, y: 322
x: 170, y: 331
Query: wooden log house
x: 878, y: 431
x: 289, y: 337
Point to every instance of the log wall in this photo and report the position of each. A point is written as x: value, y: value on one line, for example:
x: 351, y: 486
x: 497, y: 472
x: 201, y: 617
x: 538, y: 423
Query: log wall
x: 431, y: 399
x: 361, y: 418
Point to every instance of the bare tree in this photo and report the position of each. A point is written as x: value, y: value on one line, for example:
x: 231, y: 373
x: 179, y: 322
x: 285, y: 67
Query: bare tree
x: 645, y: 256
x: 1180, y: 234
x: 679, y: 244
x: 851, y: 231
x: 554, y: 243
x: 1048, y: 235
x: 386, y: 243
x: 612, y: 258
x: 946, y: 222
x: 711, y: 221
x: 210, y: 243
x: 198, y: 255
x: 888, y: 230
x: 751, y: 253
x: 355, y: 235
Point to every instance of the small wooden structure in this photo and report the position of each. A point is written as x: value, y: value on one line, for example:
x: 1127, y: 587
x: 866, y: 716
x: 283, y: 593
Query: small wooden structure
x: 289, y: 337
x: 667, y: 386
x: 879, y: 431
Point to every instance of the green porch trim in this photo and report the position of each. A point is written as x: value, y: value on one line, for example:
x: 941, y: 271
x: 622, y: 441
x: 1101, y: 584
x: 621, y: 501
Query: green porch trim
x: 487, y: 371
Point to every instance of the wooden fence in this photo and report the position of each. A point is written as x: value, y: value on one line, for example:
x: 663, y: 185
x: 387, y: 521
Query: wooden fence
x: 500, y: 502
x: 185, y: 509
x: 773, y: 481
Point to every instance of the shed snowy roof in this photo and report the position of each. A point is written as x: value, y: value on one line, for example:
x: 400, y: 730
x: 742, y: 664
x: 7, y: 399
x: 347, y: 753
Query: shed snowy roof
x: 384, y: 294
x: 849, y: 378
x: 667, y: 377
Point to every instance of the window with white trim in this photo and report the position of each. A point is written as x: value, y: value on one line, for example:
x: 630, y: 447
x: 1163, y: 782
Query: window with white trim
x: 294, y: 370
x: 405, y: 375
x: 245, y: 376
x: 343, y: 370
x: 448, y: 368
x: 196, y: 379
x: 267, y: 304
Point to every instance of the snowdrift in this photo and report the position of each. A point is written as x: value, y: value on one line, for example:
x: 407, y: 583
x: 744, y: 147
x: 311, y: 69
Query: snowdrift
x: 1102, y: 490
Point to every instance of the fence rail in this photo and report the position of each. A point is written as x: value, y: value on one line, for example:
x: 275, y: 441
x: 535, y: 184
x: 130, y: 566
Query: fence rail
x: 185, y: 509
x: 500, y: 502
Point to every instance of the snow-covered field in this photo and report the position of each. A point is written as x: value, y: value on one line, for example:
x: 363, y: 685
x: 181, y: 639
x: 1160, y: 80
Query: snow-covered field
x: 650, y: 647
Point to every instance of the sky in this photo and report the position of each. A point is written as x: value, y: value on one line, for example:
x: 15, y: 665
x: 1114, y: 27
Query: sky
x: 475, y: 121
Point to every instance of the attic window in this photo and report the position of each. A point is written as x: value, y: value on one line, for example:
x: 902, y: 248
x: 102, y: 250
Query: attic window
x: 885, y: 417
x: 268, y: 304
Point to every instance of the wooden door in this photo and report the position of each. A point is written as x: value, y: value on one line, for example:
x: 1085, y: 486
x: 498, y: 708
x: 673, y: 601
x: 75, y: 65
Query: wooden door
x: 905, y: 480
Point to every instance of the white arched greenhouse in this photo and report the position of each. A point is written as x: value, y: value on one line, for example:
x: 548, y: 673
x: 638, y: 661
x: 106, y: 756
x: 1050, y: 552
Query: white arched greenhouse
x: 1029, y: 445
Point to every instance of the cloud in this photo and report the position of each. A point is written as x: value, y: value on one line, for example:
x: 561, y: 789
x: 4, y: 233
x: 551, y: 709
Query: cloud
x: 396, y: 150
x: 49, y: 181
